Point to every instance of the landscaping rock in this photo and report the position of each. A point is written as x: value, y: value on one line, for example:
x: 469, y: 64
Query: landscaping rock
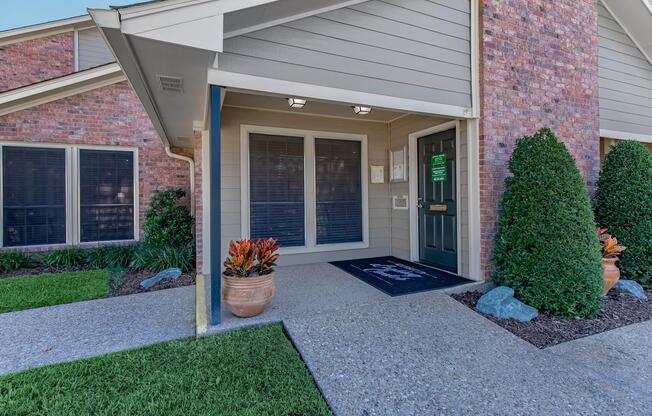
x: 500, y: 302
x: 173, y: 274
x: 631, y: 288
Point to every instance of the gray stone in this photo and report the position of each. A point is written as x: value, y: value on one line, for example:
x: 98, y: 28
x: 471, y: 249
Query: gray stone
x: 500, y: 302
x: 173, y: 274
x: 630, y: 288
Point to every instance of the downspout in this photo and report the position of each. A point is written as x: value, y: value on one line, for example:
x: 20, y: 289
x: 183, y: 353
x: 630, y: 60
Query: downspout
x: 191, y: 165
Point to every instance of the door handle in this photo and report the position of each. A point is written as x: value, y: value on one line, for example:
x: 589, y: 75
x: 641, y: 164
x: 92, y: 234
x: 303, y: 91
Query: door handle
x: 419, y: 205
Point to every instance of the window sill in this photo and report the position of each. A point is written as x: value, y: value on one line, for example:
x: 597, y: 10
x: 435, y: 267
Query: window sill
x: 49, y: 247
x: 323, y: 248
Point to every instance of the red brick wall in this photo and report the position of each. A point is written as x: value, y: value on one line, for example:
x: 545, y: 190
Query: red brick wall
x: 36, y: 60
x: 539, y: 68
x: 110, y: 115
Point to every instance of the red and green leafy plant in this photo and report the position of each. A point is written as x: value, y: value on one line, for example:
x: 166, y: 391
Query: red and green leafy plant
x: 610, y: 246
x: 267, y: 255
x: 248, y: 258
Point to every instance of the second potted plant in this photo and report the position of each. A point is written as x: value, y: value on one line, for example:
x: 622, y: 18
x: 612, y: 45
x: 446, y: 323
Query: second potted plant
x: 610, y: 251
x: 248, y: 278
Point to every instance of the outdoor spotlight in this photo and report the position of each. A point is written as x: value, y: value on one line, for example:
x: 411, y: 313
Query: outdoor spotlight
x: 296, y: 102
x: 361, y: 110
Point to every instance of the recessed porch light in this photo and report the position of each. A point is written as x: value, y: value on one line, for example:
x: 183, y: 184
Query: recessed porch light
x: 361, y: 110
x: 295, y: 102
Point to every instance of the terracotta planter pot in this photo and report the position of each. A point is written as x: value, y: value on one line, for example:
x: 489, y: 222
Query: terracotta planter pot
x: 611, y: 273
x: 249, y: 296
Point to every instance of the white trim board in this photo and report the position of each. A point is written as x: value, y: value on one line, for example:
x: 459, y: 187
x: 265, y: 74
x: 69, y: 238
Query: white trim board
x: 309, y: 186
x: 413, y: 178
x: 290, y: 88
x: 621, y: 135
x: 32, y: 32
x: 47, y: 91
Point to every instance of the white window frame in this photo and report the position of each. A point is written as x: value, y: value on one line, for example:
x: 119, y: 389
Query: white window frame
x: 73, y: 217
x: 310, y: 201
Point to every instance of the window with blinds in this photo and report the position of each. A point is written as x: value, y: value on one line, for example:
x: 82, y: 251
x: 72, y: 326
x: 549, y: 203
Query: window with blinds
x: 276, y: 188
x: 338, y: 191
x: 106, y: 195
x: 33, y: 196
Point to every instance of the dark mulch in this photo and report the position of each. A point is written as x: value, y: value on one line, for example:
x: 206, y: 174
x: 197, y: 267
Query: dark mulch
x: 547, y: 330
x: 128, y: 282
x: 44, y: 270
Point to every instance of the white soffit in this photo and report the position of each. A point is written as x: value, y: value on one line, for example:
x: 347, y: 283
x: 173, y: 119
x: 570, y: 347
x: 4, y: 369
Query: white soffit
x: 635, y: 16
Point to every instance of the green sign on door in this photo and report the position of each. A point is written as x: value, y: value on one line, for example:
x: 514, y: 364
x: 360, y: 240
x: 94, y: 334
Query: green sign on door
x: 438, y: 171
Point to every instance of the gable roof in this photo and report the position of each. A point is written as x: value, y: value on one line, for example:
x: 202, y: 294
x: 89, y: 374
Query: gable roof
x: 635, y: 17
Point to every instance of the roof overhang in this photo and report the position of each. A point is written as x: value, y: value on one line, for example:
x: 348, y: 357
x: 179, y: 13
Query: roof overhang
x: 55, y: 89
x: 181, y: 39
x: 635, y: 16
x: 26, y: 33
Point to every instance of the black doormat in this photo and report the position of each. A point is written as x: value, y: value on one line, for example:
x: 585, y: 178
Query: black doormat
x: 399, y: 277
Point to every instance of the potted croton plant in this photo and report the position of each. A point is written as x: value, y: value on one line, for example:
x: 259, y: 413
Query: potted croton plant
x: 610, y: 251
x: 248, y: 278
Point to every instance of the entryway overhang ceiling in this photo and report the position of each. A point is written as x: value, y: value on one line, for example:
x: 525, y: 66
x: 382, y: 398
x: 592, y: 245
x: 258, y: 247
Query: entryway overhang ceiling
x: 169, y: 52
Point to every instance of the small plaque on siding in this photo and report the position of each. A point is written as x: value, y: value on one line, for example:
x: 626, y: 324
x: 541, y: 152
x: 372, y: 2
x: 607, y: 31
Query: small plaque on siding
x: 400, y: 202
x: 438, y: 169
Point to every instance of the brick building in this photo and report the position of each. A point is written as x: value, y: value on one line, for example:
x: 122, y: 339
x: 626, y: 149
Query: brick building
x: 69, y: 114
x: 320, y: 123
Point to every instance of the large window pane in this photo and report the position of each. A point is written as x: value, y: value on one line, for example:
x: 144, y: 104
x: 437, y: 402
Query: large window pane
x: 106, y: 194
x: 33, y: 196
x: 338, y: 191
x: 276, y: 188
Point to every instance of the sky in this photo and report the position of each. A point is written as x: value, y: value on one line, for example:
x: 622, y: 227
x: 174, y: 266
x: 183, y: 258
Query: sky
x: 18, y: 13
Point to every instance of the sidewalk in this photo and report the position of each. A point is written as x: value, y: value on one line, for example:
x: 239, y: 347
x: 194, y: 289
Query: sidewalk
x: 55, y: 334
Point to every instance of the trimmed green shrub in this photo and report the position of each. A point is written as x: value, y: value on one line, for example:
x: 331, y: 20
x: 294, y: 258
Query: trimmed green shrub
x: 15, y: 260
x: 112, y: 257
x: 158, y: 258
x: 547, y: 248
x: 65, y: 258
x: 167, y: 223
x: 624, y: 206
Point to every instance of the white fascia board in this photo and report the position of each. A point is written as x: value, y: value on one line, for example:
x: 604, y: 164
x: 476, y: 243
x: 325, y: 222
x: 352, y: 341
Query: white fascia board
x: 291, y: 18
x: 26, y: 33
x: 250, y: 82
x: 109, y: 19
x: 224, y: 6
x: 197, y: 26
x: 47, y: 86
x: 53, y: 90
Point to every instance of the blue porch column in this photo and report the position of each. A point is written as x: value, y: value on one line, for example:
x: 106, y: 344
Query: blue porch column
x: 215, y: 213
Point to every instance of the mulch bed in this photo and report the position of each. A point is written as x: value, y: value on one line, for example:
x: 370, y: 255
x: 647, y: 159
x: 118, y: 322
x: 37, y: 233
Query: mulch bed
x: 128, y: 283
x: 547, y: 330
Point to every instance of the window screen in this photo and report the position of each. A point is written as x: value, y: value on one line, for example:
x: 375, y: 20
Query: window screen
x: 338, y: 191
x: 33, y: 196
x: 276, y: 169
x: 106, y: 194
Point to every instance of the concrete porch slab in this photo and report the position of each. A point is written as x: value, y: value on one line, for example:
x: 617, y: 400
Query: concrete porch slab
x: 310, y: 289
x: 61, y: 333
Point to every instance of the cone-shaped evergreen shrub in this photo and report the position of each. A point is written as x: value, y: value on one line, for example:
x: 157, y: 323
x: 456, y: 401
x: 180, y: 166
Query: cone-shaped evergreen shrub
x: 547, y: 248
x: 624, y: 205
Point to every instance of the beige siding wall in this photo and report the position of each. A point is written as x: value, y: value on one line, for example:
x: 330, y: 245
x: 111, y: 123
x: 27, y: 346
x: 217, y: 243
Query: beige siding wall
x: 379, y: 197
x: 92, y: 51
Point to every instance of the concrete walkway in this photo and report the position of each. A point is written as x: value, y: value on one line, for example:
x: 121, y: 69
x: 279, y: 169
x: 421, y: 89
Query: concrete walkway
x: 427, y: 354
x: 42, y: 336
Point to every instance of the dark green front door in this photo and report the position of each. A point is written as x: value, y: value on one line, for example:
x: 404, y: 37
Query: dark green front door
x: 437, y: 202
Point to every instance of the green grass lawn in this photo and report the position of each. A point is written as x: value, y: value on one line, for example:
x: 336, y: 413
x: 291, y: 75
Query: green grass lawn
x: 27, y: 292
x: 249, y: 372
